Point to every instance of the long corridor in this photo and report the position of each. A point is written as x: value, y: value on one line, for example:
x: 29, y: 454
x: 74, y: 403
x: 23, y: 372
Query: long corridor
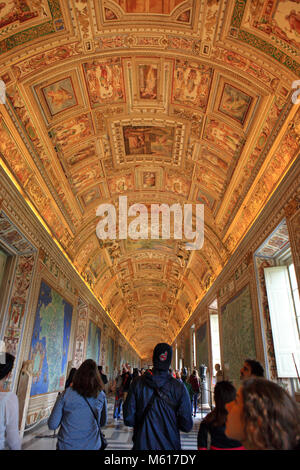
x: 118, y: 435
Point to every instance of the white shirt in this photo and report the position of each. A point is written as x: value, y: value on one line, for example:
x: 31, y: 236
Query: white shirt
x: 9, y: 421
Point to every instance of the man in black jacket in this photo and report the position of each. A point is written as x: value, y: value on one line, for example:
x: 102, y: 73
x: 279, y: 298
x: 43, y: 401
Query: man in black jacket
x: 158, y: 406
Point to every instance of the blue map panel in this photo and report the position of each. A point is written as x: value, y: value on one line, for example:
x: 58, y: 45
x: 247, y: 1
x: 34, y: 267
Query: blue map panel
x: 50, y: 341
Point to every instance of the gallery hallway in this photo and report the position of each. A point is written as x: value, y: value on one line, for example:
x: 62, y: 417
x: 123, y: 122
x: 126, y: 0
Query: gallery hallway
x: 149, y: 192
x: 118, y: 435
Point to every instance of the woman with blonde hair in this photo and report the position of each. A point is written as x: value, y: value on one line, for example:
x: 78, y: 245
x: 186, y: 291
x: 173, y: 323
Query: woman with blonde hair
x: 263, y: 417
x: 81, y: 410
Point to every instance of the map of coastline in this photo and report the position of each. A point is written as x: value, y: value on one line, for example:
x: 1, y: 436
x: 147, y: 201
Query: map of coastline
x: 50, y: 341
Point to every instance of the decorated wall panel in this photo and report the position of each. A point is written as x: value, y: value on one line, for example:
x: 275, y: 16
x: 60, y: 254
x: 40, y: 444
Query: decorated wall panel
x: 81, y: 332
x: 50, y: 341
x: 202, y: 356
x: 93, y: 342
x: 15, y: 300
x: 237, y: 331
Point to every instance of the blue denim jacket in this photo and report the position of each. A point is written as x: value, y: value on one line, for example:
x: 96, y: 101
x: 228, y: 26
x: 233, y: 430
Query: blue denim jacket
x: 78, y: 427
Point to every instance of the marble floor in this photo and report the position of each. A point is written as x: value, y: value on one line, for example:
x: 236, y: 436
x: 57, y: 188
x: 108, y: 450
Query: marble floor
x: 118, y: 435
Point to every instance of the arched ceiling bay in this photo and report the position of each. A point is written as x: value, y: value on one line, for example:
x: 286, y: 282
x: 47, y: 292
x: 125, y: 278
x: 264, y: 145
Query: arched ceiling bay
x: 162, y: 101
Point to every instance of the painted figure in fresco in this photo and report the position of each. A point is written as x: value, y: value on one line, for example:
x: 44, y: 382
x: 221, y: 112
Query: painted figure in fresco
x: 294, y: 21
x: 149, y: 82
x: 121, y: 185
x: 72, y: 131
x: 85, y: 176
x: 106, y: 89
x: 149, y: 179
x: 191, y: 85
x: 59, y: 97
x: 220, y: 134
x: 235, y: 103
x: 104, y: 82
x: 109, y: 14
x: 16, y: 11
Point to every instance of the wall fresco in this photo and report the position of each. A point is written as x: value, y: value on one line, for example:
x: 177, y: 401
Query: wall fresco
x: 104, y: 82
x: 148, y: 81
x: 237, y: 334
x: 50, y: 341
x: 93, y: 347
x: 235, y: 103
x: 148, y: 140
x: 223, y: 136
x: 191, y: 85
x: 60, y: 96
x: 81, y: 332
x: 72, y: 131
x: 202, y: 346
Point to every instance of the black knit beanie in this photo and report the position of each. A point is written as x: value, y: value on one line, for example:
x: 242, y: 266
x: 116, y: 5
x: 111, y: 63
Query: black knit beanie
x: 6, y: 364
x: 162, y: 356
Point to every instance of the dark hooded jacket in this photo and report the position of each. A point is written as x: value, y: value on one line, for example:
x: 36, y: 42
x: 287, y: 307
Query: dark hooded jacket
x: 161, y: 426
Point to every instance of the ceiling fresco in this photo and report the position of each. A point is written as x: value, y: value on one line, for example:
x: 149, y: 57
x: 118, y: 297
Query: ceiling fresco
x: 162, y: 101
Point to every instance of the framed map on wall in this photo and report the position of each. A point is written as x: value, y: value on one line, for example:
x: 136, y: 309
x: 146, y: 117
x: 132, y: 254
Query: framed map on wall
x: 110, y: 356
x: 237, y: 331
x: 202, y: 346
x: 50, y: 341
x: 93, y: 342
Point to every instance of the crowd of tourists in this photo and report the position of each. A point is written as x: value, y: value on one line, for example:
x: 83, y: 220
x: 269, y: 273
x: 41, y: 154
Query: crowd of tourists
x: 159, y: 403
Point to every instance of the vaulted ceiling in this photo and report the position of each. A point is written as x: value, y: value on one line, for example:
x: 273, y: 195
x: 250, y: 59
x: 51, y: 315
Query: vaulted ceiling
x: 162, y: 101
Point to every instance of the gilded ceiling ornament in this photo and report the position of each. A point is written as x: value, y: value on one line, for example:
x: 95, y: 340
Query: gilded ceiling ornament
x: 292, y: 207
